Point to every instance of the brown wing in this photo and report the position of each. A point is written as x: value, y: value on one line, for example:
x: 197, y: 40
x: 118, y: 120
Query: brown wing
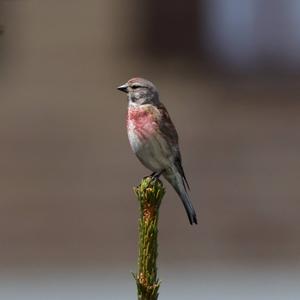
x: 168, y: 129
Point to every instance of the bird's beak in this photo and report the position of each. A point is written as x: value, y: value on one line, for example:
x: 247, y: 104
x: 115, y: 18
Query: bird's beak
x: 123, y: 88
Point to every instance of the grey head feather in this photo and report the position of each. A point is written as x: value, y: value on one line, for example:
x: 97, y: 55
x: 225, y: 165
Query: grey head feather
x: 141, y: 91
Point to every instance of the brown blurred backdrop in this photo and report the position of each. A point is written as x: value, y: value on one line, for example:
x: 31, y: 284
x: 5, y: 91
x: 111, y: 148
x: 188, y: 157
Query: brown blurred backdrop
x: 228, y: 75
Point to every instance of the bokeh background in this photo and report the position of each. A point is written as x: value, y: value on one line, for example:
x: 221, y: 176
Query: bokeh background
x: 228, y: 72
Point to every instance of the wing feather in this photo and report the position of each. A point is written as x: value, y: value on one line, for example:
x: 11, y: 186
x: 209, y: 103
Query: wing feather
x: 168, y: 129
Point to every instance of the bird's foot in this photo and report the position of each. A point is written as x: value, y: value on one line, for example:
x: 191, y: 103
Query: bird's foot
x: 154, y: 175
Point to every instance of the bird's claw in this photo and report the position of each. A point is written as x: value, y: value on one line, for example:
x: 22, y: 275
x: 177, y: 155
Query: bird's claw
x: 154, y: 175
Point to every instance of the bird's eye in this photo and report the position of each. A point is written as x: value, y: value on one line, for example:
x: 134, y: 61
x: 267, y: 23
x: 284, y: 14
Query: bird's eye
x: 135, y: 86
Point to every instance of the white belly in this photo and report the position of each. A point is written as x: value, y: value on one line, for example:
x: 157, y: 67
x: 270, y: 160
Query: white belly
x: 153, y: 152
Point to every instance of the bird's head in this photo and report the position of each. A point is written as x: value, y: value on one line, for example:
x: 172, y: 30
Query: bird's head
x: 140, y: 91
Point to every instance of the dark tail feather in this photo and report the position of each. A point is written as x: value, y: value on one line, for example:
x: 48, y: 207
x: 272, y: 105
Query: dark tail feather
x: 188, y: 207
x: 177, y: 182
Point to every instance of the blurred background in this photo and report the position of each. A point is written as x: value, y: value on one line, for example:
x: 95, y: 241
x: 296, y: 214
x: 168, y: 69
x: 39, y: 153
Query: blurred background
x: 228, y: 72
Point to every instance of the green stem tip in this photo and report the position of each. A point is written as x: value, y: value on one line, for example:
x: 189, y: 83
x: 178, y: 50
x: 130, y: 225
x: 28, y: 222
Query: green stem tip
x: 149, y: 193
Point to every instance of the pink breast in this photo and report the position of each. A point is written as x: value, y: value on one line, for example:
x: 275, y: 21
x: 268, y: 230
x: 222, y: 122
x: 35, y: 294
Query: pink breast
x: 142, y: 122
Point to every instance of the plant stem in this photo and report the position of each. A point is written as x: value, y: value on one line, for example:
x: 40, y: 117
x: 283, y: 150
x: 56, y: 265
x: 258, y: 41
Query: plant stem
x: 149, y: 193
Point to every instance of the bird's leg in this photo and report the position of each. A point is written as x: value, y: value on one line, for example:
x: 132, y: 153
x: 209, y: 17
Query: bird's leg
x: 155, y: 175
x: 151, y: 175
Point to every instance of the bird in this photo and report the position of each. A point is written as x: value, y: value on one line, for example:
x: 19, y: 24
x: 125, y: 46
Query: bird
x: 154, y: 139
